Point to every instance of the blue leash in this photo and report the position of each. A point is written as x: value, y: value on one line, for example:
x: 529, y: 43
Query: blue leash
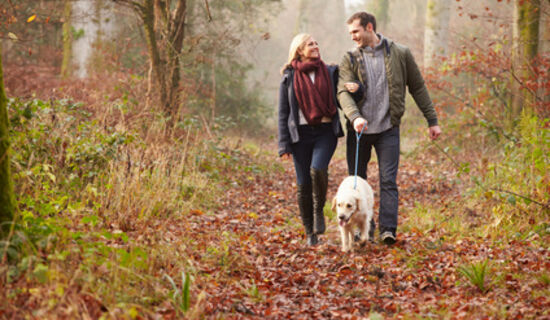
x: 358, y: 136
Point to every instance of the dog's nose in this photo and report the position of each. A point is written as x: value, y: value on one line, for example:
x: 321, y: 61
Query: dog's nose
x: 341, y: 217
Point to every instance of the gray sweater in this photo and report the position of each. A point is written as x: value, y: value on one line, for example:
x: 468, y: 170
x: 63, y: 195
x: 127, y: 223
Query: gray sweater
x: 376, y: 106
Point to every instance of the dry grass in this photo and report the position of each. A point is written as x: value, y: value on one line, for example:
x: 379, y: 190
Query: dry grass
x: 103, y: 189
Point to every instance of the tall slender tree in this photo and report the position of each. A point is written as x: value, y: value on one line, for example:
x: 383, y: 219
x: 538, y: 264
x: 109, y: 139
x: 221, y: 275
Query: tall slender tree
x: 436, y: 30
x: 381, y: 10
x: 164, y: 24
x: 544, y: 28
x: 7, y: 202
x: 66, y: 64
x: 525, y: 48
x: 86, y: 23
x: 544, y: 41
x: 332, y: 33
x: 302, y: 20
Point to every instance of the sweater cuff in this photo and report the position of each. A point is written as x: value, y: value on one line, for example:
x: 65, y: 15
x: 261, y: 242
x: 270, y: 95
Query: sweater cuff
x: 283, y: 150
x: 432, y: 122
x: 354, y: 116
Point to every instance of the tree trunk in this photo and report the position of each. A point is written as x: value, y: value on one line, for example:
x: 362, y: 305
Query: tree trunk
x: 544, y: 46
x: 86, y: 26
x: 86, y: 23
x: 380, y: 9
x: 177, y: 33
x: 436, y: 30
x: 333, y: 33
x: 165, y: 32
x: 147, y: 14
x: 524, y: 49
x: 301, y: 19
x: 213, y: 101
x: 544, y: 29
x: 7, y: 202
x: 66, y: 64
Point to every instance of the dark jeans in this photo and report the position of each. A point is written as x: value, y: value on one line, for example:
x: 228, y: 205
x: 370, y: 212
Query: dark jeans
x: 386, y: 145
x: 314, y: 150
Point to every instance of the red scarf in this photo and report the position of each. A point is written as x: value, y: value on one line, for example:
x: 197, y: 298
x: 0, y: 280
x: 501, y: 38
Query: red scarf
x: 315, y: 100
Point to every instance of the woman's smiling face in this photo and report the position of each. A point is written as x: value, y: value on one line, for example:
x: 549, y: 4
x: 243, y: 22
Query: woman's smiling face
x: 310, y: 50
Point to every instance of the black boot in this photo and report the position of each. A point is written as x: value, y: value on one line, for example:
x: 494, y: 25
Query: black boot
x: 312, y: 240
x: 320, y: 184
x: 305, y: 204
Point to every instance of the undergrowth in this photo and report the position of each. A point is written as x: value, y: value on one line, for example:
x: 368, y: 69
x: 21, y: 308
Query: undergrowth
x: 499, y: 161
x: 498, y: 169
x: 98, y: 207
x: 504, y: 191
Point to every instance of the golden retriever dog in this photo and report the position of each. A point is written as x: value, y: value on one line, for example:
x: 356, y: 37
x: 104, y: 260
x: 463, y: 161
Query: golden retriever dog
x: 354, y: 208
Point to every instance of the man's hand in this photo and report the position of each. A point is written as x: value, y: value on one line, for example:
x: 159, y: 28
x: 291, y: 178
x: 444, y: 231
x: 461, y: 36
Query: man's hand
x: 434, y: 132
x: 358, y: 124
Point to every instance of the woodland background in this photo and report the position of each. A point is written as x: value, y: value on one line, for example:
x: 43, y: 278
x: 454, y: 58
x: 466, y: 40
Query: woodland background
x: 139, y: 177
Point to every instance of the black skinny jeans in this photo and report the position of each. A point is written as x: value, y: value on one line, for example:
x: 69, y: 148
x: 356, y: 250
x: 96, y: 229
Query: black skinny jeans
x: 314, y: 150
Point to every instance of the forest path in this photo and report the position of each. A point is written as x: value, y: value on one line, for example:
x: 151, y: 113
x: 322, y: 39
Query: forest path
x: 271, y: 272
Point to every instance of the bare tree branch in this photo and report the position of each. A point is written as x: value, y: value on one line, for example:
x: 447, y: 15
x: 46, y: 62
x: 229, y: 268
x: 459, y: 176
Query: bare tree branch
x: 522, y: 196
x: 208, y: 10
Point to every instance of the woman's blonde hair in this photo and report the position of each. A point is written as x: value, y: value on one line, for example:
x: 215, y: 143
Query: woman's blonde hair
x: 298, y: 42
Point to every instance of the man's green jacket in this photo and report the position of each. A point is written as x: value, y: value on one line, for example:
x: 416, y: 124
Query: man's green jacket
x: 401, y: 72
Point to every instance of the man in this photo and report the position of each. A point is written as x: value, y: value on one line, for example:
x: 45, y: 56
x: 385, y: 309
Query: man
x: 382, y: 69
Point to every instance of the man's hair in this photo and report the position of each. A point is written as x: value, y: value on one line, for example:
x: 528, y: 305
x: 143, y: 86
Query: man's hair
x: 364, y: 19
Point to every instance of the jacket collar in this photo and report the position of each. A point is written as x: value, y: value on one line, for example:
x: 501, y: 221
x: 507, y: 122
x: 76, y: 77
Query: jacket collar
x: 384, y: 43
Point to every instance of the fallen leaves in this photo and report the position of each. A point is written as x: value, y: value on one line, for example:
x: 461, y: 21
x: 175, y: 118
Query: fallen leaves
x: 249, y: 259
x: 321, y: 282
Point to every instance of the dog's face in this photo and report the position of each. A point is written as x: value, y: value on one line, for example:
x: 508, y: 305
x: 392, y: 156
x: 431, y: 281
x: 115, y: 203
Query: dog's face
x: 346, y: 205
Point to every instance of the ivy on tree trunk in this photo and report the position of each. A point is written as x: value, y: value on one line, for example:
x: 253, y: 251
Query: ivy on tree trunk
x: 66, y: 64
x: 7, y: 203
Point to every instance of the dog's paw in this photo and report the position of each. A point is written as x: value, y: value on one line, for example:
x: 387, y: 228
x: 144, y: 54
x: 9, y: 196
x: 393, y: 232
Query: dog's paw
x: 365, y: 239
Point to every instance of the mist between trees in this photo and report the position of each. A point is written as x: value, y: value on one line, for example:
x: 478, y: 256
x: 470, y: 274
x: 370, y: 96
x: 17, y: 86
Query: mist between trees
x: 222, y: 58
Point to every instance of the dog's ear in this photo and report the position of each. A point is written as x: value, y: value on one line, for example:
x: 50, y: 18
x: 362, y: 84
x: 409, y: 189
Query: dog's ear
x: 358, y: 205
x: 333, y: 204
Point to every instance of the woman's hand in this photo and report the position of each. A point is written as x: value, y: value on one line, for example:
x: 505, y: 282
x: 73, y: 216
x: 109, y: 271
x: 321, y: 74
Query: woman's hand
x: 351, y: 86
x: 286, y: 156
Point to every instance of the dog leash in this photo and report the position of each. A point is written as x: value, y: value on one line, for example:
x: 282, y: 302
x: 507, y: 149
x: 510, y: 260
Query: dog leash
x: 358, y: 136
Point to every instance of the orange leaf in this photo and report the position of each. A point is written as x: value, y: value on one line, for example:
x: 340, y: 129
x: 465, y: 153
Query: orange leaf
x: 196, y: 212
x: 31, y: 18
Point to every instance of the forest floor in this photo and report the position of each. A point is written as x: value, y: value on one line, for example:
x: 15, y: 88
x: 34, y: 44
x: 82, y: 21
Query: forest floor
x: 247, y: 256
x: 271, y: 273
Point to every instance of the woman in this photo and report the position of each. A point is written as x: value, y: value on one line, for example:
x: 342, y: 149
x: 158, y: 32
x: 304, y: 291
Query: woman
x: 309, y: 127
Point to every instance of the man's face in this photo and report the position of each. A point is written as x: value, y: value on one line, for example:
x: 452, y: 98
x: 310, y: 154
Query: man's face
x: 359, y: 34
